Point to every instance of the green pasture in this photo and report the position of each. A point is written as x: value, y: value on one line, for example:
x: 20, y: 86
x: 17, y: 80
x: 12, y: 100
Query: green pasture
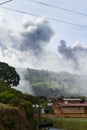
x: 69, y: 123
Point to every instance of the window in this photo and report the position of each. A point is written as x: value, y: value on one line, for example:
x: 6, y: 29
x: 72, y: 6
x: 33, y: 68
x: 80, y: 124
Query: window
x: 81, y: 108
x: 67, y: 109
x: 74, y: 109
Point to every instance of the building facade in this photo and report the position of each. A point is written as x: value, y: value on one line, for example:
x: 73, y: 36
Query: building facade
x: 70, y: 108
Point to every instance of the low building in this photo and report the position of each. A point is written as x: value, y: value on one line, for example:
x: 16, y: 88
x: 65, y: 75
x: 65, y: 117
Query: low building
x: 70, y: 108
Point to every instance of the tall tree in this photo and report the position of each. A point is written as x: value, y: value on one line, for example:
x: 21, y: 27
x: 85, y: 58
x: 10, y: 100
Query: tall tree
x: 8, y: 74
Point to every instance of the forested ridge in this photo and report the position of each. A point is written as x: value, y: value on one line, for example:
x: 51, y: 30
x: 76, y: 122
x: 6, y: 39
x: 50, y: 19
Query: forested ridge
x: 50, y: 83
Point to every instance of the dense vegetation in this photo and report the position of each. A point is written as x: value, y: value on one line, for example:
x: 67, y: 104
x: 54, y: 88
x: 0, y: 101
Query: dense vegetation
x: 19, y: 112
x: 12, y: 96
x: 13, y: 118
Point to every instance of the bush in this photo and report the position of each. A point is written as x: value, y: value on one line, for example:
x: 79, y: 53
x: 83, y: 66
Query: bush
x: 27, y: 106
x: 15, y: 101
x: 8, y: 123
x: 5, y: 97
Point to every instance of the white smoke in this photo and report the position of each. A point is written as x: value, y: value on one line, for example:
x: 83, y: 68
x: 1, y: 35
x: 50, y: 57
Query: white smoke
x: 23, y: 47
x: 24, y: 85
x: 34, y: 34
x: 76, y: 55
x: 26, y: 48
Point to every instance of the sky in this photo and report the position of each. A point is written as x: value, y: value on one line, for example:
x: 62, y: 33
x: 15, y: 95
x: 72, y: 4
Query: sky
x: 42, y: 43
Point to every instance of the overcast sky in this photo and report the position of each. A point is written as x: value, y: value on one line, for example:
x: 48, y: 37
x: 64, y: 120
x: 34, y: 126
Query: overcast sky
x: 67, y: 32
x: 18, y: 30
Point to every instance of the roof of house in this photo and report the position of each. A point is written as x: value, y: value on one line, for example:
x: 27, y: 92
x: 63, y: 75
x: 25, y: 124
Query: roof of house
x: 72, y: 99
x: 76, y: 104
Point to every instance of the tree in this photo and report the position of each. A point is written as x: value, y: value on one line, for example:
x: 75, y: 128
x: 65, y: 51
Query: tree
x: 8, y: 74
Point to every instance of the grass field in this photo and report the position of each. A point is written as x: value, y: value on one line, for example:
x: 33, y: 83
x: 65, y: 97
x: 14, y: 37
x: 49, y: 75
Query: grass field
x: 69, y: 123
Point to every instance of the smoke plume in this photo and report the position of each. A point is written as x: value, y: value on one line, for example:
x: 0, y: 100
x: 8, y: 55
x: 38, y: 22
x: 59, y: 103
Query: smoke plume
x: 25, y: 47
x: 35, y: 34
x: 74, y: 55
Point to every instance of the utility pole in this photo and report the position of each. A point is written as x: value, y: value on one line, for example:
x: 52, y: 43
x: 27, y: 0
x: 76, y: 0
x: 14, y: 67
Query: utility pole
x: 43, y: 125
x: 39, y: 114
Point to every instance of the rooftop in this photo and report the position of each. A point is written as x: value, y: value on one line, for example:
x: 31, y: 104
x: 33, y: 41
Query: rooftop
x: 77, y: 104
x: 72, y: 99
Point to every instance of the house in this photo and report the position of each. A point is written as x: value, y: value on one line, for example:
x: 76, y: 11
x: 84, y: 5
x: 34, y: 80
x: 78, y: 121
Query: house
x: 70, y: 108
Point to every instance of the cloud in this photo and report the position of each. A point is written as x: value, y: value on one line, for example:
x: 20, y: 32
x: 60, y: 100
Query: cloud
x: 35, y: 35
x: 25, y: 46
x: 74, y: 55
x: 67, y: 52
x: 5, y: 32
x: 24, y: 85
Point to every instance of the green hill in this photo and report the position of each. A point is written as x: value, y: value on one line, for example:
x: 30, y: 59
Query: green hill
x: 53, y: 84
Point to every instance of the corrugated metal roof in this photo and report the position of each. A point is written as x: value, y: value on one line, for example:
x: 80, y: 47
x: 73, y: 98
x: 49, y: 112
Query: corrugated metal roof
x: 72, y: 99
x: 77, y: 104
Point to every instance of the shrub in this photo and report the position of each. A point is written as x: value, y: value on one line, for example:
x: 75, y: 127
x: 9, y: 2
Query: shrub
x: 8, y: 123
x: 15, y: 101
x: 27, y: 106
x: 5, y: 97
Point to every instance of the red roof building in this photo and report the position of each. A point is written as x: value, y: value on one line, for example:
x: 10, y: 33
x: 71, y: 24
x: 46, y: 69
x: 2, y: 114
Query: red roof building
x: 70, y: 108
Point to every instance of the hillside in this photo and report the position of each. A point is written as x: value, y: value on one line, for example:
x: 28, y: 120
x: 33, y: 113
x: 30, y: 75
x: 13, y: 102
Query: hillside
x: 13, y: 118
x: 54, y: 84
x: 16, y: 110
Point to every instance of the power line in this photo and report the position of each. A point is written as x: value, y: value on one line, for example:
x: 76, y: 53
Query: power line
x: 61, y: 8
x: 5, y: 2
x: 50, y: 18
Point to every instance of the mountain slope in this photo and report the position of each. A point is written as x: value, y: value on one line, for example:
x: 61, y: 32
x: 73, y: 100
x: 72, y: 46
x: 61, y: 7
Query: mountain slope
x: 54, y: 84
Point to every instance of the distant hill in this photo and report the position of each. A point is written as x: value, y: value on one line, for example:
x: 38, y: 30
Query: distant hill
x: 55, y: 84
